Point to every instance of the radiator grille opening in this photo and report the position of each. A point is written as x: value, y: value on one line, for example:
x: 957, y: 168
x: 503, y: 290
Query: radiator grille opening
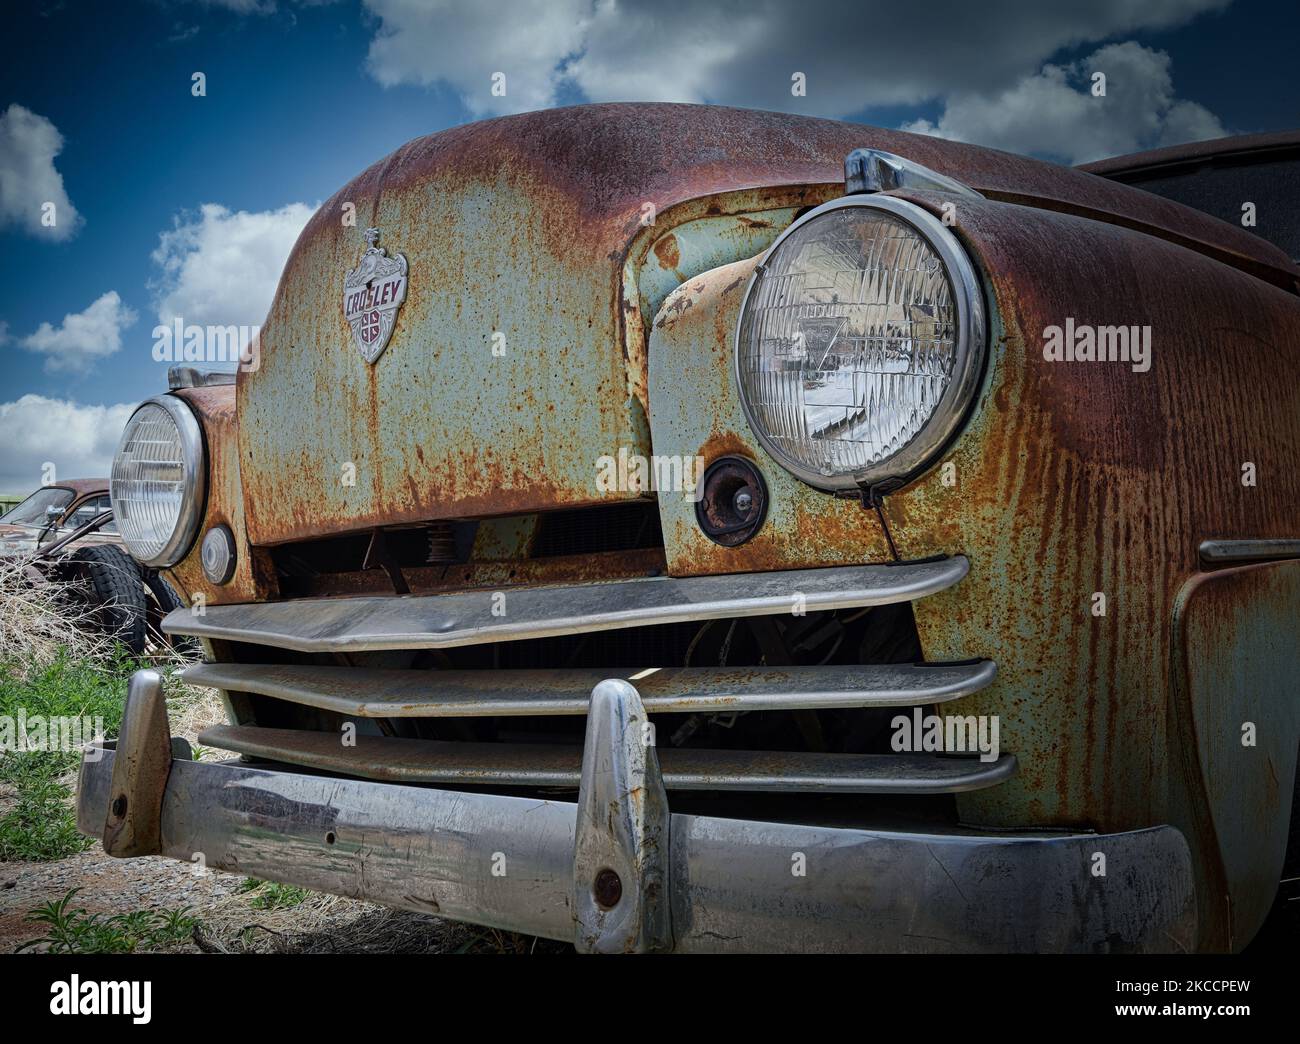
x: 613, y: 527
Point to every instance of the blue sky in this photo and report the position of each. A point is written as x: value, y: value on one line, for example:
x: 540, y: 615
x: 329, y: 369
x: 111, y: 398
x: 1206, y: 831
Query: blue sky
x: 188, y: 205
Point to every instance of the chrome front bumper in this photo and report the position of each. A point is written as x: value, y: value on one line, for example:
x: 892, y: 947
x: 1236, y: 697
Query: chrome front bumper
x: 618, y: 871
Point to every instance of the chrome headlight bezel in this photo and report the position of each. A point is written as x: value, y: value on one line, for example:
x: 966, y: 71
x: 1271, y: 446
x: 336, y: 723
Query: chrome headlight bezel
x: 949, y: 415
x: 194, y: 482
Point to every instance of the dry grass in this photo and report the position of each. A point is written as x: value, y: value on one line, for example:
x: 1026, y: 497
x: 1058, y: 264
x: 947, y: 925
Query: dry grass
x: 43, y: 619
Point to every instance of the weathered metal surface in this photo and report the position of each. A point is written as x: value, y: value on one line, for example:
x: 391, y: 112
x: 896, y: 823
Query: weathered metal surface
x: 140, y: 770
x: 621, y: 877
x: 1234, y: 727
x: 254, y: 579
x: 1069, y: 479
x: 550, y: 765
x: 696, y: 410
x: 521, y: 227
x: 393, y: 693
x: 732, y: 887
x: 475, y: 617
x: 701, y: 245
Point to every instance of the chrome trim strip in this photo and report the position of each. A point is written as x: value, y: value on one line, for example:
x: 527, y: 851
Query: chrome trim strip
x: 873, y: 170
x: 363, y: 692
x: 1217, y: 552
x: 395, y: 760
x: 470, y: 617
x: 731, y: 887
x: 179, y: 377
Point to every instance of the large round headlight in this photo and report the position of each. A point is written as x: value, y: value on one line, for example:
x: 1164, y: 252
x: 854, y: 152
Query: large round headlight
x: 157, y: 483
x: 860, y: 342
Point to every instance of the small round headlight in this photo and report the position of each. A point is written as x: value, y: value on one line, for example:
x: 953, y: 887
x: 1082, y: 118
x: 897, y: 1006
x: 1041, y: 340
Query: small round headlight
x: 158, y: 480
x: 860, y: 343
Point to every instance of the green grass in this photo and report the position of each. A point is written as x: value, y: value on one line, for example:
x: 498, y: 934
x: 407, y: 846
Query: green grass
x: 68, y: 688
x: 41, y: 826
x: 271, y: 895
x: 71, y: 929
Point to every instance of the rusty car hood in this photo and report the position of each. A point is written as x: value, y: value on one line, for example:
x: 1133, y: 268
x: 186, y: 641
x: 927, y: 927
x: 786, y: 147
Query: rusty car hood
x: 513, y: 363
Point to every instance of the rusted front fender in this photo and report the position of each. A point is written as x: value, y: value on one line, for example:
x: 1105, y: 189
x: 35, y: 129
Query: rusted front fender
x: 1071, y: 480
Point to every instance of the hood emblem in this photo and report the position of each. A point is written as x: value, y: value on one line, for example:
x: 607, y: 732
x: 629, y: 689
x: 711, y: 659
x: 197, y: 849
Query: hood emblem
x: 372, y: 294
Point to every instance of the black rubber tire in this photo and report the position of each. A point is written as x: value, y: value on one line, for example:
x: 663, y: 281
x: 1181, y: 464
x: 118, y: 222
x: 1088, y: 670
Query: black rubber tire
x: 168, y: 598
x: 118, y: 592
x: 163, y: 592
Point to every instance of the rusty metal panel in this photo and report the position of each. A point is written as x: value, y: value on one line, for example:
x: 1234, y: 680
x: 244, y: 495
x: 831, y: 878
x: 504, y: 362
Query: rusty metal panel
x: 1235, y: 724
x: 521, y: 226
x: 254, y: 579
x: 1070, y: 479
x: 1080, y: 478
x: 695, y: 410
x: 703, y: 244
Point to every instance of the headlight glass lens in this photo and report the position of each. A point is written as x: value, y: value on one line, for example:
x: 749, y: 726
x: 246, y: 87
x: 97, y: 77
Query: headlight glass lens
x: 849, y: 341
x: 154, y: 484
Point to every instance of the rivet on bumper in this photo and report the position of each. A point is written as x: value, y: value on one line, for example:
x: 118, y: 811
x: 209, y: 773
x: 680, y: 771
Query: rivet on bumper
x: 620, y: 852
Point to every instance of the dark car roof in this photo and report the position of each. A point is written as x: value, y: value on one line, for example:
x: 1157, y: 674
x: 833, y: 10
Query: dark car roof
x: 1193, y: 152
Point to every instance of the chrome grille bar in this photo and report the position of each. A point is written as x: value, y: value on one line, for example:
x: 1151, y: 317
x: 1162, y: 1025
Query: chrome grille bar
x: 476, y: 617
x: 510, y: 764
x: 385, y: 693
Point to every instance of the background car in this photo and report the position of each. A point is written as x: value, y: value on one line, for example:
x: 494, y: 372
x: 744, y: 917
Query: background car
x: 128, y: 600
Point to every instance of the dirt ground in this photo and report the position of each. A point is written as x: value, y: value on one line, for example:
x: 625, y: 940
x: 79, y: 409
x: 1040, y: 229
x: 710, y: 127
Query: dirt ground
x: 228, y: 919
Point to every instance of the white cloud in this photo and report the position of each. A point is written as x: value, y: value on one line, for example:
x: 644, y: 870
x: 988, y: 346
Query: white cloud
x: 83, y: 337
x: 78, y: 440
x: 855, y: 54
x: 28, y: 180
x: 423, y: 42
x: 1054, y: 112
x: 221, y: 267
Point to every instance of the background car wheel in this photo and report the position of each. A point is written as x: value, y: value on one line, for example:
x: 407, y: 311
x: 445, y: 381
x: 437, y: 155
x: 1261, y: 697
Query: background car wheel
x: 117, y: 592
x: 165, y: 599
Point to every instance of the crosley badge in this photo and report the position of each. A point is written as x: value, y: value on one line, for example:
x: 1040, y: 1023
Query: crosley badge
x: 372, y: 294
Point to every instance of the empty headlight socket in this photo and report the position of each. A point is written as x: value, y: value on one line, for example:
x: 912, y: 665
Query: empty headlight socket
x: 733, y: 501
